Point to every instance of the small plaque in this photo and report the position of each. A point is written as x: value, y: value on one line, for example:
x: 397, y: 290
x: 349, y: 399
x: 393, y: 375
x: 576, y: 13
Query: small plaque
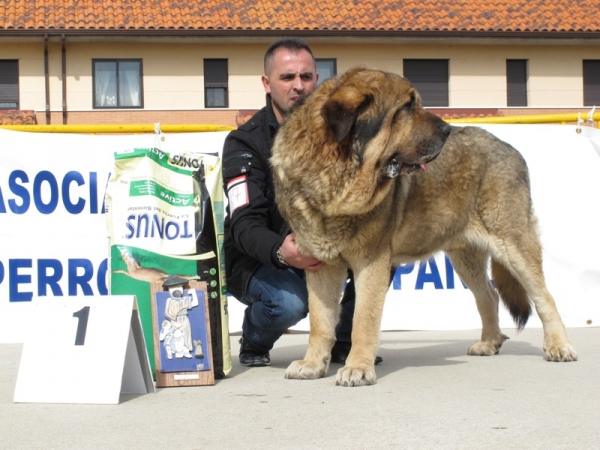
x: 182, y: 344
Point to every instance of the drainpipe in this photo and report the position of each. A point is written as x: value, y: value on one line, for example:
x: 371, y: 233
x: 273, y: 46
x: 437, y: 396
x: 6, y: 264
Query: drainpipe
x: 47, y: 77
x: 64, y: 80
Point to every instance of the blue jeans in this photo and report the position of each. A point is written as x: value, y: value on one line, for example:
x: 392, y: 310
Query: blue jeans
x: 277, y: 300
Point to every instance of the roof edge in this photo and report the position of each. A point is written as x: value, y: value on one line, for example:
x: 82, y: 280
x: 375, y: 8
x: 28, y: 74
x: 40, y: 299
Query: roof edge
x: 219, y: 33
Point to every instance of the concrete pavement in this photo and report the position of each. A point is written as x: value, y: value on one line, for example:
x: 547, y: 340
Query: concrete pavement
x: 429, y: 395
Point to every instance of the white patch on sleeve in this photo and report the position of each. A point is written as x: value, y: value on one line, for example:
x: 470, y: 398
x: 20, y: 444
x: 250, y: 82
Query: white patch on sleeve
x: 237, y: 193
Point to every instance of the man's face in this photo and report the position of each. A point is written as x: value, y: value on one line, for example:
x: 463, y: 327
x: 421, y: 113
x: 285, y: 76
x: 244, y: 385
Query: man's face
x: 290, y: 75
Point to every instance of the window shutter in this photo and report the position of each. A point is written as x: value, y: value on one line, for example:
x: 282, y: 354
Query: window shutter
x: 430, y: 78
x: 9, y: 81
x: 591, y: 82
x: 215, y: 72
x: 516, y: 82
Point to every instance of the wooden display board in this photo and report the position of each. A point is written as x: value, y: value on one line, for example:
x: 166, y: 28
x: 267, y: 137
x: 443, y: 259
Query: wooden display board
x: 182, y: 341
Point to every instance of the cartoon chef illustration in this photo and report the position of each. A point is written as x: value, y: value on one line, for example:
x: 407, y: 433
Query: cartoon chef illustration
x: 176, y: 332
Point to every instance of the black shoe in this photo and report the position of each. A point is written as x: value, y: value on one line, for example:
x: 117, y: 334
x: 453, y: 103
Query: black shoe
x: 251, y: 357
x: 340, y: 351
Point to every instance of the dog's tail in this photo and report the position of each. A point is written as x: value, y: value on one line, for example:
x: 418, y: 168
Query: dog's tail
x: 512, y: 294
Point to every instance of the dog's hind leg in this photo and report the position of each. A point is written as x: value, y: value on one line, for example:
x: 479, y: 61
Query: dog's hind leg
x: 324, y: 291
x: 471, y: 265
x: 522, y: 257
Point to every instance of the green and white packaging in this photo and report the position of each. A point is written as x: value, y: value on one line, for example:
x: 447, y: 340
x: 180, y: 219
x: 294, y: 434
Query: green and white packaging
x: 165, y: 217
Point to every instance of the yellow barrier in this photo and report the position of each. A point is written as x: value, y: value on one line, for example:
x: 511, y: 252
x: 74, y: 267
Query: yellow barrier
x: 540, y: 118
x: 131, y: 129
x: 197, y: 128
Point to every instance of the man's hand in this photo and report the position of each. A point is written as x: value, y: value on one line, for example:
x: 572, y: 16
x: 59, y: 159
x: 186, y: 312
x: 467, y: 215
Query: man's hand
x: 291, y: 255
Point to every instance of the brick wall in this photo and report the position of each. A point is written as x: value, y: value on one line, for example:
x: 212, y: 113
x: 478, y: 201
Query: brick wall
x: 212, y: 117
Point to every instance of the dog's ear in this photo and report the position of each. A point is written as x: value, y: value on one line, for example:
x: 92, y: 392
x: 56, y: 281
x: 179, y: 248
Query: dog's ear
x: 341, y: 110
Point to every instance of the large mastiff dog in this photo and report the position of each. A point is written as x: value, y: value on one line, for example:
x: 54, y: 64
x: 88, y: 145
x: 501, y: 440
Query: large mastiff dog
x: 368, y: 179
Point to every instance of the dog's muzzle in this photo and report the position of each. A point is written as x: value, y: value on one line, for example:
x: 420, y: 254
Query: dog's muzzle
x: 395, y: 168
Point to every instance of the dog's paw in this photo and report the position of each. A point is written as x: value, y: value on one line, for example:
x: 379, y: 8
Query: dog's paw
x: 488, y: 347
x: 356, y: 376
x: 305, y: 370
x: 560, y: 353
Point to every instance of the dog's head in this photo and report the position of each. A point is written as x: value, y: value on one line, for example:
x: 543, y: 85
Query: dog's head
x: 377, y: 118
x: 338, y: 151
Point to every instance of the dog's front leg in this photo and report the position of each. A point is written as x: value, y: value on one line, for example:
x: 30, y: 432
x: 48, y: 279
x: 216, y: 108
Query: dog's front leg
x: 372, y: 284
x: 324, y: 290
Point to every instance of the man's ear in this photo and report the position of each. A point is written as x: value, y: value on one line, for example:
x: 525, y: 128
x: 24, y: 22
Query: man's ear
x: 266, y: 83
x: 341, y: 110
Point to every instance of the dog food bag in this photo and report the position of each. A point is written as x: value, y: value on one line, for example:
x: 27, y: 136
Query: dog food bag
x: 165, y: 217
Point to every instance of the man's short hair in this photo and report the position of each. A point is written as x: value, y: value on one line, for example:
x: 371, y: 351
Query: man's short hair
x: 294, y: 45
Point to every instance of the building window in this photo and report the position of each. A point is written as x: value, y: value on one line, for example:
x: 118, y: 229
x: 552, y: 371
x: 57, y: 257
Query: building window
x: 9, y: 84
x: 591, y: 82
x: 326, y: 68
x: 215, y: 83
x: 430, y: 78
x: 516, y: 82
x: 117, y: 83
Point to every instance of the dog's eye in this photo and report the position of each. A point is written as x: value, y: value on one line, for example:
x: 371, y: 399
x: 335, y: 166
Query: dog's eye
x: 404, y: 109
x: 411, y: 104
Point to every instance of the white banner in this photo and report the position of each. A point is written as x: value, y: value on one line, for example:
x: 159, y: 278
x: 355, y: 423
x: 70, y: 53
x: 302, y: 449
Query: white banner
x: 53, y: 233
x: 53, y: 236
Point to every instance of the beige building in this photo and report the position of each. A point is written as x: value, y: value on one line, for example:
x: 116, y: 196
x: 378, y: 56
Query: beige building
x: 81, y: 68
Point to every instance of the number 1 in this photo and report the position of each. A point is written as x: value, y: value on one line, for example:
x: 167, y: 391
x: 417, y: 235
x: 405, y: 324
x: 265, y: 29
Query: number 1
x: 82, y: 315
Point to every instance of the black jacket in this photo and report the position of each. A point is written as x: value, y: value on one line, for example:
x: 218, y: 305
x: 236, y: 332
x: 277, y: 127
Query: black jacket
x: 255, y: 231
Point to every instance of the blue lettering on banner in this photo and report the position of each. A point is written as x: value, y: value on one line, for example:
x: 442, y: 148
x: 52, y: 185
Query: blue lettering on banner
x: 46, y: 280
x: 428, y: 277
x: 16, y: 279
x: 403, y: 269
x: 19, y: 191
x: 144, y: 226
x: 40, y: 178
x: 428, y: 273
x: 82, y: 278
x: 48, y: 193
